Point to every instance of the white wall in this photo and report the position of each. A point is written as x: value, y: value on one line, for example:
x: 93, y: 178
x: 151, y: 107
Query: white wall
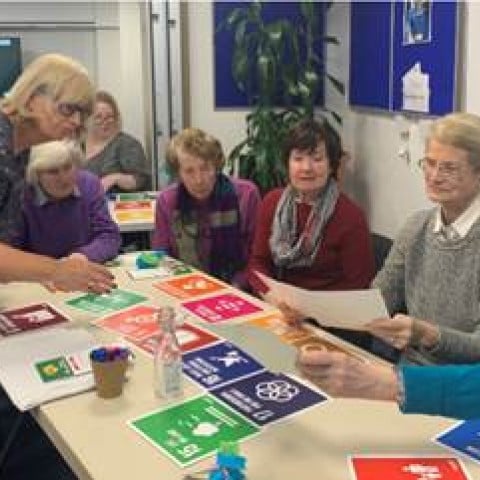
x: 385, y: 184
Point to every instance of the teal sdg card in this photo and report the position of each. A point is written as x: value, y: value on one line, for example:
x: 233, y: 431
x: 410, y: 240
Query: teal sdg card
x: 106, y: 303
x: 194, y: 429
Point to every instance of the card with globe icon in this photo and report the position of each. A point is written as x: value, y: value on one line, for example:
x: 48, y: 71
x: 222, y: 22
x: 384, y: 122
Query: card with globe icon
x: 268, y: 397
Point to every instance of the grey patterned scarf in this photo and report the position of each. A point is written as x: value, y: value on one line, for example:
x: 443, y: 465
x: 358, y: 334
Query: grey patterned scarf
x: 291, y: 249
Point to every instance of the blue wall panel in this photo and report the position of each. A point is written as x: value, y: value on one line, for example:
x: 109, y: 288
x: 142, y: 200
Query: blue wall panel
x: 437, y: 57
x: 226, y: 92
x: 370, y: 62
x: 380, y: 54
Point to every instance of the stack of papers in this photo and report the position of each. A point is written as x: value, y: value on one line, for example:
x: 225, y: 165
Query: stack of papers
x: 45, y: 365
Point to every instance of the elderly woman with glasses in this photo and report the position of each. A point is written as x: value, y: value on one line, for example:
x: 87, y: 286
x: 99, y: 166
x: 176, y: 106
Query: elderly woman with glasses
x: 49, y: 101
x: 115, y: 156
x: 430, y: 280
x: 62, y: 195
x: 431, y: 285
x: 206, y: 219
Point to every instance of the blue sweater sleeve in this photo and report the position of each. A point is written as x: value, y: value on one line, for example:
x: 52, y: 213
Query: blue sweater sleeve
x: 450, y: 391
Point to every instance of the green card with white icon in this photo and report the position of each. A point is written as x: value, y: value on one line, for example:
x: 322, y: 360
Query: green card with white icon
x: 109, y: 302
x: 194, y: 429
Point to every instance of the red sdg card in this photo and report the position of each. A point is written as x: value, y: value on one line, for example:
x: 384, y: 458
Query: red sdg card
x: 190, y: 286
x: 407, y: 468
x: 28, y: 318
x: 189, y: 337
x: 135, y: 323
x: 221, y: 307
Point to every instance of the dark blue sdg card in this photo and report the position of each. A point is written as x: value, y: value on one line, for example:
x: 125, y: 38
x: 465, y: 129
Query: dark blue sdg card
x: 266, y: 397
x: 218, y: 364
x: 463, y: 437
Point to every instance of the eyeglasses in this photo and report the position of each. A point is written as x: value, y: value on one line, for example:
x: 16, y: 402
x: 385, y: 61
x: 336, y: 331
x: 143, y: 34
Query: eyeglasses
x: 448, y: 170
x: 99, y: 120
x: 68, y: 109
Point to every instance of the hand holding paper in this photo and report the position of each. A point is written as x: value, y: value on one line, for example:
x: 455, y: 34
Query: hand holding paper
x: 351, y: 309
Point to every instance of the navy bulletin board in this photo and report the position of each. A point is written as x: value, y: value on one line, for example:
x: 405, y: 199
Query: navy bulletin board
x: 227, y: 95
x: 380, y: 54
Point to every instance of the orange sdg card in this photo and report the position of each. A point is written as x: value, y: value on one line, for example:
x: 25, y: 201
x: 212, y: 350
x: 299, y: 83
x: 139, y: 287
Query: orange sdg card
x: 189, y: 286
x: 297, y: 336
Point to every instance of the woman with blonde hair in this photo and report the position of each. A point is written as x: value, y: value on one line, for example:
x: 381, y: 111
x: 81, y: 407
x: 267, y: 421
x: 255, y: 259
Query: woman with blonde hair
x: 51, y: 100
x: 206, y: 218
x: 60, y: 194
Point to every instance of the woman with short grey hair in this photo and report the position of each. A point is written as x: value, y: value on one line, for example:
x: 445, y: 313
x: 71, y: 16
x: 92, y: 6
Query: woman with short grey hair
x: 432, y: 271
x: 71, y: 199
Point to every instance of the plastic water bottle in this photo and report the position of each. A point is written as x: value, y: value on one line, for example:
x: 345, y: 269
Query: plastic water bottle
x: 168, y: 357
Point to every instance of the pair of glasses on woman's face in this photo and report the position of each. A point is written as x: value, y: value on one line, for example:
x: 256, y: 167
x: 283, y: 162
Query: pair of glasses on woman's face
x: 69, y: 109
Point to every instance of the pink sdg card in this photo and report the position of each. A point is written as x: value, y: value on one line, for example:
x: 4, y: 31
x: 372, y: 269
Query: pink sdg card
x: 30, y: 317
x: 135, y: 323
x: 190, y: 337
x: 221, y: 308
x: 407, y: 468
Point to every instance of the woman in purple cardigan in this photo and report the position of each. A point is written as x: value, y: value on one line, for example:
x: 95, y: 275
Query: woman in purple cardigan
x: 65, y: 213
x: 206, y: 219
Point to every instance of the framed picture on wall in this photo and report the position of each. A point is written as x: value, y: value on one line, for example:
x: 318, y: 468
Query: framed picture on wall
x: 417, y: 21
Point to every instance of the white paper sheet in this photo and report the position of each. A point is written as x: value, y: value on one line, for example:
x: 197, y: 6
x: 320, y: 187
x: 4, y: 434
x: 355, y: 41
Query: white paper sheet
x: 17, y: 370
x: 350, y: 309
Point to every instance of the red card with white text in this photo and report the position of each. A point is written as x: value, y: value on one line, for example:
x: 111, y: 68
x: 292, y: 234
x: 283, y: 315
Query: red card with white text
x: 30, y: 317
x: 221, y: 307
x: 135, y: 323
x: 189, y: 337
x: 190, y: 286
x: 407, y: 468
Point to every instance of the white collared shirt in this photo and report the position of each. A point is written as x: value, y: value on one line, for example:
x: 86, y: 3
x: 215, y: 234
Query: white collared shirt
x: 462, y: 225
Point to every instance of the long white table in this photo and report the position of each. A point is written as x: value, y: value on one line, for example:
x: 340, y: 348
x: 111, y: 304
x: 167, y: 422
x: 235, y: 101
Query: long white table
x: 92, y: 434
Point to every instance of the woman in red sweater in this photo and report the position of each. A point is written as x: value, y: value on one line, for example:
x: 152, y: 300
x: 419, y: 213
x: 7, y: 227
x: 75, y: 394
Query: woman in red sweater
x: 310, y: 234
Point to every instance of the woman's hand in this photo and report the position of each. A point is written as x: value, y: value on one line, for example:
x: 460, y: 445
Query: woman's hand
x: 291, y: 316
x: 125, y: 181
x: 342, y: 375
x: 403, y: 330
x: 72, y: 274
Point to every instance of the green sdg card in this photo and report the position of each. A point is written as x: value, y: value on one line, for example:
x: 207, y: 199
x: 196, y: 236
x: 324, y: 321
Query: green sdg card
x: 59, y: 368
x: 192, y: 430
x: 54, y: 369
x: 106, y: 303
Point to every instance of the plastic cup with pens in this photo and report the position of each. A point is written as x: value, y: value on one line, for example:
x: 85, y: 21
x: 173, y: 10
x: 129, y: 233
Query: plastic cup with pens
x: 109, y: 365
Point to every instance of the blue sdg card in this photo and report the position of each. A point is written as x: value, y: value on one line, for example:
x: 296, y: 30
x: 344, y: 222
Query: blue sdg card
x: 266, y: 397
x: 218, y: 364
x: 463, y: 437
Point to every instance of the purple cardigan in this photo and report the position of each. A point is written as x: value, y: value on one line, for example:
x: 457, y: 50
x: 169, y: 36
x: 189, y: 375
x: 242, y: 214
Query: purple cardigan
x: 79, y: 223
x: 248, y: 202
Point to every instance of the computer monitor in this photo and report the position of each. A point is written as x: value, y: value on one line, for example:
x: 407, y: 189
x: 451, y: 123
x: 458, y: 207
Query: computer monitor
x: 10, y: 62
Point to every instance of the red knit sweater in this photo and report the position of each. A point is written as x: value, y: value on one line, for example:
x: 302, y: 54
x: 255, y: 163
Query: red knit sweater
x: 344, y: 260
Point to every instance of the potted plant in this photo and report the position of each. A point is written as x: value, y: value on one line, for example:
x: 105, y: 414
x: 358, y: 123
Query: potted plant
x: 277, y: 65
